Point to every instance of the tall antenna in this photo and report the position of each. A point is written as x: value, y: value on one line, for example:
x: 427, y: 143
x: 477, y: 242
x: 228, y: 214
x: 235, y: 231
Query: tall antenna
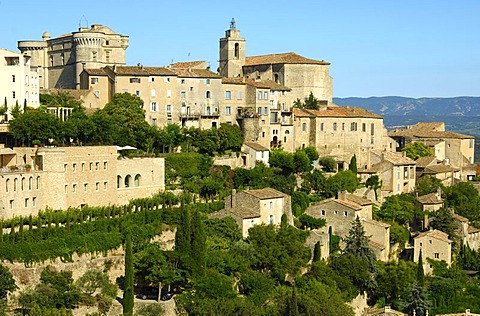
x: 83, y: 19
x: 232, y: 24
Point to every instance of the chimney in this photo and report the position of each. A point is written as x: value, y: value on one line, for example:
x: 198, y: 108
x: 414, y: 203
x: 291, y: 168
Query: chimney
x: 467, y: 312
x: 342, y: 195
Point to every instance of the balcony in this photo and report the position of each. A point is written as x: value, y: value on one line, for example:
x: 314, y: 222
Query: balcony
x: 190, y: 116
x: 210, y: 114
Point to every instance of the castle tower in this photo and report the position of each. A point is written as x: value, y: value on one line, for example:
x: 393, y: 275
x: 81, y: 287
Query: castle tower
x: 232, y: 53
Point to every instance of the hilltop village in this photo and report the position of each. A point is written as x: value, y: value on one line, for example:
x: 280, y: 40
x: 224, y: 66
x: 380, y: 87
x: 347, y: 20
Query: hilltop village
x: 244, y: 189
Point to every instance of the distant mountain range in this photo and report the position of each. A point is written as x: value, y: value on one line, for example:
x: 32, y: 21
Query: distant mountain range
x: 386, y: 106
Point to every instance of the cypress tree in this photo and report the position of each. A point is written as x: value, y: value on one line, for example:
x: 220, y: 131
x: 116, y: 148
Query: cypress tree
x: 420, y: 274
x: 128, y: 296
x: 183, y: 235
x: 353, y: 164
x: 317, y: 252
x: 198, y: 243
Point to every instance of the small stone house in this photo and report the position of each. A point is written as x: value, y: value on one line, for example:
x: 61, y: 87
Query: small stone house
x: 435, y: 245
x: 253, y: 207
x: 253, y: 152
x: 431, y: 202
x: 339, y: 214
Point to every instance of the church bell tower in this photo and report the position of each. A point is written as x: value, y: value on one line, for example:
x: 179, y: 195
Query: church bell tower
x: 232, y: 53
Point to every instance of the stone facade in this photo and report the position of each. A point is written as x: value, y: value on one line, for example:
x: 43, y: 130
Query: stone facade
x: 435, y: 245
x: 454, y: 149
x: 19, y: 81
x: 253, y: 207
x: 62, y: 177
x: 60, y: 60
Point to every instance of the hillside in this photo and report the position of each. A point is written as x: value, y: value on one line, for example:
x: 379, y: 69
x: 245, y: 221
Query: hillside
x: 460, y: 106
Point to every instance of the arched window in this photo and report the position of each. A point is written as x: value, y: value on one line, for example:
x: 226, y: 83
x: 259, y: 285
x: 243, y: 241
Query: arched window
x: 38, y: 182
x: 7, y: 185
x: 128, y: 181
x: 138, y: 180
x: 275, y: 78
x: 15, y: 182
x: 23, y: 184
x: 119, y: 181
x: 208, y: 95
x: 237, y: 50
x: 30, y: 183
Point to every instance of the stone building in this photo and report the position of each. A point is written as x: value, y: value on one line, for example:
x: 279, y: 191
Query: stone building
x: 253, y: 207
x: 19, y: 82
x: 396, y: 171
x: 341, y: 132
x: 60, y: 60
x: 61, y: 177
x: 435, y: 245
x: 454, y: 149
x: 340, y: 213
x: 252, y: 153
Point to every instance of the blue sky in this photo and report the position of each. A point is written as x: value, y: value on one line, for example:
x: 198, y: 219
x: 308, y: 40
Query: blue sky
x: 413, y: 48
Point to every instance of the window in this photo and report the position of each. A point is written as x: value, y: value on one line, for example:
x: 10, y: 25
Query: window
x: 168, y: 108
x: 107, y: 55
x: 38, y: 182
x: 22, y: 184
x: 134, y: 80
x: 91, y: 166
x: 169, y: 93
x: 83, y: 166
x: 153, y: 93
x: 334, y: 126
x: 182, y: 81
x: 183, y: 94
x: 13, y: 78
x: 345, y: 213
x: 94, y: 80
x: 270, y: 205
x: 166, y: 79
x: 436, y: 255
x: 236, y: 51
x: 74, y: 188
x: 66, y: 188
x: 364, y: 127
x: 7, y: 184
x: 259, y: 95
x: 105, y: 165
x: 94, y: 56
x: 65, y: 167
x: 228, y: 110
x: 271, y: 219
x: 26, y: 202
x: 322, y: 212
x: 252, y: 222
x: 343, y: 126
x: 97, y: 166
x: 228, y: 95
x: 322, y: 126
x: 304, y: 127
x: 85, y: 187
x: 137, y: 181
x: 11, y: 204
x: 265, y: 95
x: 30, y: 183
x: 191, y: 89
x: 13, y: 94
x: 107, y: 43
x: 153, y: 106
x: 335, y: 212
x: 105, y: 185
x: 137, y: 92
x: 34, y: 201
x: 239, y: 95
x: 207, y: 81
x: 74, y: 167
x: 97, y: 186
x: 154, y: 122
x: 152, y: 79
x: 353, y: 126
x: 208, y: 95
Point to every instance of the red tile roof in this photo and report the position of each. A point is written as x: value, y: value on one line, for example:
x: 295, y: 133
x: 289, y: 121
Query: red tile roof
x: 189, y: 64
x: 336, y: 111
x: 266, y: 193
x: 196, y: 73
x: 141, y: 71
x: 284, y: 58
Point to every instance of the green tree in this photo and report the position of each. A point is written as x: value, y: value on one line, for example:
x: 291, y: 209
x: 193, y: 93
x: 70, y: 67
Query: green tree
x: 401, y: 208
x: 328, y: 163
x: 95, y: 285
x: 309, y: 103
x: 231, y: 137
x: 314, y: 181
x: 282, y: 159
x: 420, y: 273
x: 150, y: 310
x: 317, y: 252
x: 34, y: 124
x: 301, y: 162
x: 443, y: 220
x: 356, y: 243
x: 417, y: 150
x: 311, y: 222
x: 417, y: 300
x: 344, y: 180
x: 375, y: 183
x: 428, y: 184
x: 311, y: 152
x: 128, y: 294
x: 198, y: 247
x: 353, y: 164
x: 7, y: 285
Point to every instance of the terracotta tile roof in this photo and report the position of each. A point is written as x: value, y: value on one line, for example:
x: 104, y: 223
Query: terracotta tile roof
x: 189, y: 64
x: 196, y: 73
x: 460, y: 218
x: 377, y: 223
x: 431, y: 198
x: 422, y: 162
x: 336, y: 111
x: 236, y: 80
x: 473, y: 230
x: 393, y: 157
x: 427, y: 130
x: 358, y: 200
x: 141, y: 71
x: 376, y: 168
x: 439, y: 169
x: 384, y: 311
x: 256, y: 146
x: 239, y: 212
x: 266, y: 193
x: 95, y: 71
x: 352, y: 205
x: 437, y: 234
x: 284, y: 58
